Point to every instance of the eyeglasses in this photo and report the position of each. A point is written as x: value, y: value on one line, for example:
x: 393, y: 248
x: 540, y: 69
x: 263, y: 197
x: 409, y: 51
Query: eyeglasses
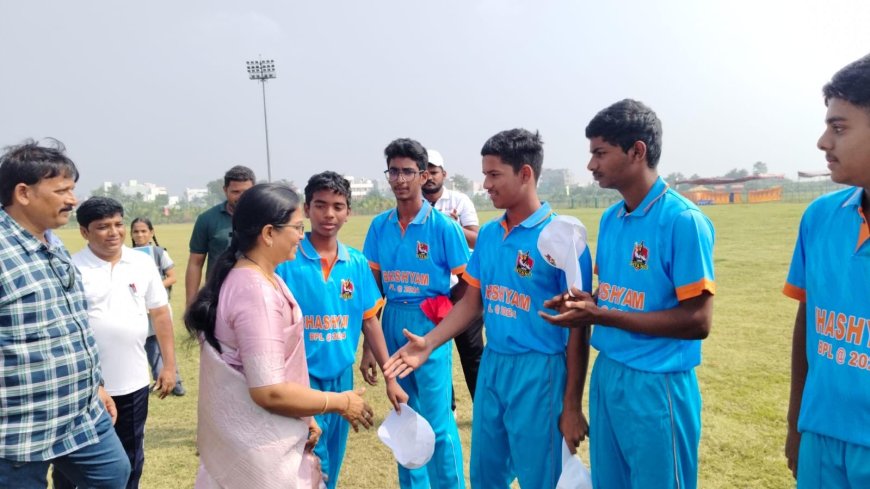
x: 393, y: 174
x: 300, y: 228
x: 63, y: 269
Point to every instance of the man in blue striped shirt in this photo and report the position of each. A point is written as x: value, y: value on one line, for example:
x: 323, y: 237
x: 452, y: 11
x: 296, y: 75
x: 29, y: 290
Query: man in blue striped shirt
x: 53, y: 409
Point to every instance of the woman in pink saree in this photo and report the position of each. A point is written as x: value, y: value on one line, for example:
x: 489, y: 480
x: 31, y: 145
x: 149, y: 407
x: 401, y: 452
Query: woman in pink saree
x: 255, y: 426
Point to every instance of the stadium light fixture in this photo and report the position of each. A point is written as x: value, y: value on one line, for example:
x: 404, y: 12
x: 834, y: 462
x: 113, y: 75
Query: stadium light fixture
x: 263, y: 70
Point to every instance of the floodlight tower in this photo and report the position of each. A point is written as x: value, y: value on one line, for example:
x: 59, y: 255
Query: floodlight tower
x: 262, y: 70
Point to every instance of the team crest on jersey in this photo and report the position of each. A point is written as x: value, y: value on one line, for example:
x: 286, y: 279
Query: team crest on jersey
x: 422, y: 250
x: 524, y: 263
x: 346, y: 289
x: 639, y: 256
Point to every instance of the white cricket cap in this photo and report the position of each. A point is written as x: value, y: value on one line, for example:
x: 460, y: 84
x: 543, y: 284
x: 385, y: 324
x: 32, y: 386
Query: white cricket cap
x: 435, y: 157
x: 562, y: 242
x: 409, y: 436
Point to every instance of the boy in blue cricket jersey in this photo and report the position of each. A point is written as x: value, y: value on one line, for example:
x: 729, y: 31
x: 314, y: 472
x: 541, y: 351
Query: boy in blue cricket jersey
x: 337, y: 294
x: 653, y: 306
x: 531, y: 377
x: 412, y: 250
x: 829, y: 406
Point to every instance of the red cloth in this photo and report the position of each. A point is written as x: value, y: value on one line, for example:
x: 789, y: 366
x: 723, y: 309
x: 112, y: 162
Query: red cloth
x: 436, y: 308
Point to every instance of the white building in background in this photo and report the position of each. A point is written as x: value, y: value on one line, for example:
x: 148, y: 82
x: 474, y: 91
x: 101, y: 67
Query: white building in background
x: 131, y: 188
x: 192, y: 194
x: 359, y: 187
x: 149, y: 191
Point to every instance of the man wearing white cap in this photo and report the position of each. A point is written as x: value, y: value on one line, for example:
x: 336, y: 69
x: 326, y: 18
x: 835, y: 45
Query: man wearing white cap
x: 459, y: 207
x: 455, y: 204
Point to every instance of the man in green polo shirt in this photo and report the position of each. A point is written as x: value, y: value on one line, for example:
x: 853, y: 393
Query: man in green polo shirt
x: 211, y: 233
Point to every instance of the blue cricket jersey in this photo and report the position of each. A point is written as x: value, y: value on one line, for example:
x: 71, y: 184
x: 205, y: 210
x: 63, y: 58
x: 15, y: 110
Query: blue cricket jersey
x: 416, y: 263
x: 514, y: 281
x: 830, y: 271
x: 335, y: 299
x: 650, y: 259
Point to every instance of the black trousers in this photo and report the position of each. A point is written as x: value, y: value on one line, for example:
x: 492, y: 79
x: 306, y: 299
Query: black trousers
x: 130, y: 427
x: 469, y: 344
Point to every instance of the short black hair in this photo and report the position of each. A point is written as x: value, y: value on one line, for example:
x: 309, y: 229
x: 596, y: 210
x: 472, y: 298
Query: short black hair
x: 407, y: 148
x: 626, y: 122
x: 96, y: 208
x: 328, y: 180
x: 239, y: 173
x: 28, y: 163
x: 517, y: 147
x: 851, y: 83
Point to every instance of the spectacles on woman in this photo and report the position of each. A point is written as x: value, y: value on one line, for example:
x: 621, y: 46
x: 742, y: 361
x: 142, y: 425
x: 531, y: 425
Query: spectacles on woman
x: 300, y: 228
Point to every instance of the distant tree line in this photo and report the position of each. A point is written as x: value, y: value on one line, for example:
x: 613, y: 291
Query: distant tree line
x: 554, y: 186
x: 157, y: 210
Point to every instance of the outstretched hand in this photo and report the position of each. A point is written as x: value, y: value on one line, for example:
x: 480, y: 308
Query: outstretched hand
x: 575, y: 309
x: 407, y: 358
x: 357, y: 412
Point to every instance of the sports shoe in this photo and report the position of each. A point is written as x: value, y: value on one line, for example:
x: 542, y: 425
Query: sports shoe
x: 178, y: 390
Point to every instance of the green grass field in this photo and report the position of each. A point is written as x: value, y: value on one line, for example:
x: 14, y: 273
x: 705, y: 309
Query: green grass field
x: 744, y: 375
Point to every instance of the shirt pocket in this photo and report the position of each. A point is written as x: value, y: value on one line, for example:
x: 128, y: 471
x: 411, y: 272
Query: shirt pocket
x: 138, y: 296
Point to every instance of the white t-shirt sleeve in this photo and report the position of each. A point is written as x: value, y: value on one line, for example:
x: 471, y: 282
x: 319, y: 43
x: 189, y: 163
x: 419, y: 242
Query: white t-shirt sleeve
x: 165, y: 261
x: 466, y: 211
x: 155, y: 293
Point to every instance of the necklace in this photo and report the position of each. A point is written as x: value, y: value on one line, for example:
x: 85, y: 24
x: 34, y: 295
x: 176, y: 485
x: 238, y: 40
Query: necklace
x: 263, y: 272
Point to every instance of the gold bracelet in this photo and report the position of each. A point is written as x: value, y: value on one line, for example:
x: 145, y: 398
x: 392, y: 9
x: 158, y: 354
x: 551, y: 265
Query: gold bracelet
x: 347, y: 396
x: 325, y: 404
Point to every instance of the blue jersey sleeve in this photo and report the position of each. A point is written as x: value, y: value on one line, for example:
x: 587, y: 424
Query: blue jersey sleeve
x: 796, y: 282
x: 692, y: 255
x: 472, y: 273
x: 456, y: 247
x: 370, y: 245
x: 371, y: 295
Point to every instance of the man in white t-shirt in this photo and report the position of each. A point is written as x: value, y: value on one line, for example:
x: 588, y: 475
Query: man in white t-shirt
x: 123, y: 288
x: 458, y: 206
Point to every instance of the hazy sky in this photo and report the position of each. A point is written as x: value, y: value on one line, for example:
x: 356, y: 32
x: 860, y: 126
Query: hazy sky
x: 158, y: 91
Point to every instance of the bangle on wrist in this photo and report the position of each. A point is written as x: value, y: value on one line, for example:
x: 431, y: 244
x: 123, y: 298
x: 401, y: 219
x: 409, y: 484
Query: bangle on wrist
x: 347, y: 407
x: 326, y: 403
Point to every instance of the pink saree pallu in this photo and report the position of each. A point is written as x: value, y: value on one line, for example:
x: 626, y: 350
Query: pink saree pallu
x: 241, y: 445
